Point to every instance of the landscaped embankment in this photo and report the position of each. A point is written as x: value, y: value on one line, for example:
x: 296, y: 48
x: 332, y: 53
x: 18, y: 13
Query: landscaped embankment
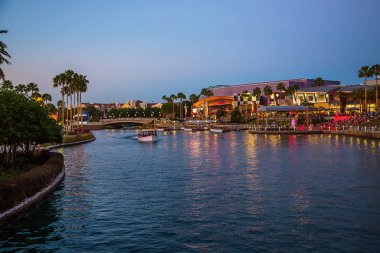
x: 19, y: 192
x: 371, y: 135
x: 284, y: 132
x: 70, y: 138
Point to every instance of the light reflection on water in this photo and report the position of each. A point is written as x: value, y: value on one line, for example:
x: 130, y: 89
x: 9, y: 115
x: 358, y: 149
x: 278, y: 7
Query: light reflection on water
x: 201, y: 191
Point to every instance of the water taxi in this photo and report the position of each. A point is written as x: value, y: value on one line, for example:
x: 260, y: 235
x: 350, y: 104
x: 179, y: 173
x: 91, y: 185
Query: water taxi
x: 216, y: 129
x: 147, y: 135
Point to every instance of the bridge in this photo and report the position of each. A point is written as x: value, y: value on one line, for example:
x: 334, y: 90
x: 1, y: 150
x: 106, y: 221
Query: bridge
x: 119, y: 121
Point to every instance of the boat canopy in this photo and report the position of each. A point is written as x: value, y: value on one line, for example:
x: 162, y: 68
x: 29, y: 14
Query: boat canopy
x: 283, y: 108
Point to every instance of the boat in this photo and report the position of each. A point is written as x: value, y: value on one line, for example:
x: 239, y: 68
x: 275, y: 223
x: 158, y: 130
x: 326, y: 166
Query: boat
x: 163, y: 129
x: 186, y: 129
x: 147, y: 135
x: 219, y: 129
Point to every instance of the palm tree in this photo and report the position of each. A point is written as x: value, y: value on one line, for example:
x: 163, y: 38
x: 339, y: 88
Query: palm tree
x: 359, y: 93
x: 257, y: 93
x: 7, y: 84
x: 69, y: 77
x: 21, y: 88
x: 268, y: 91
x: 59, y: 80
x: 193, y: 98
x: 245, y: 96
x: 206, y: 93
x: 280, y: 87
x: 365, y: 72
x: 82, y: 89
x: 291, y: 91
x: 168, y: 99
x: 173, y: 98
x: 375, y: 69
x: 32, y: 87
x: 319, y: 81
x: 46, y: 98
x: 181, y: 96
x: 66, y: 91
x: 36, y: 95
x: 3, y: 55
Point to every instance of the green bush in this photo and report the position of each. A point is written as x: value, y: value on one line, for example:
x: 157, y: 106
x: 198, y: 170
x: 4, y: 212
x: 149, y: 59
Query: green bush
x: 24, y: 123
x: 16, y: 189
x: 77, y: 137
x: 236, y: 116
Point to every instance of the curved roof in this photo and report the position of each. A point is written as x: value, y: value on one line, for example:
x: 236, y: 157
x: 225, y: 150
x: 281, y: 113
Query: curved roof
x: 215, y: 100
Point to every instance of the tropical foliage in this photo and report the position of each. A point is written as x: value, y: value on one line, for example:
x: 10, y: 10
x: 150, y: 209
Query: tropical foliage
x: 236, y: 116
x: 365, y: 72
x: 319, y: 81
x: 24, y: 124
x: 72, y: 85
x: 221, y: 112
x: 4, y: 55
x: 205, y: 93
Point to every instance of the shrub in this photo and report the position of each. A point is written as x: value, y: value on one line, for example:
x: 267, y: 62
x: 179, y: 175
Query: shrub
x: 15, y: 190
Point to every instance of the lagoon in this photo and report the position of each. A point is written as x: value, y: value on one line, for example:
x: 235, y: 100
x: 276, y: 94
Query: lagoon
x: 209, y: 192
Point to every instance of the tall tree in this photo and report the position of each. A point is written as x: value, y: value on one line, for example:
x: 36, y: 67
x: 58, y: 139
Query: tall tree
x: 375, y: 69
x: 82, y: 89
x: 193, y: 98
x: 173, y: 97
x: 181, y: 97
x: 365, y: 72
x: 21, y: 88
x: 245, y: 96
x: 3, y: 55
x: 46, y: 98
x: 257, y: 94
x: 69, y: 76
x: 280, y: 88
x: 7, y: 84
x: 206, y: 93
x: 268, y: 92
x: 59, y: 81
x: 359, y: 94
x: 319, y: 81
x: 32, y: 88
x: 168, y: 100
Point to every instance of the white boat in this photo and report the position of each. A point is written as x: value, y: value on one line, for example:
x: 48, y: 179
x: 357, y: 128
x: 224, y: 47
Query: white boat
x: 147, y: 135
x: 218, y: 129
x: 186, y: 128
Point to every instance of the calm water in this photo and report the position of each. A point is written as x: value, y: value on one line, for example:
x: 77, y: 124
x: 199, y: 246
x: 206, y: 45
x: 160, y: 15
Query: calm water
x: 205, y: 192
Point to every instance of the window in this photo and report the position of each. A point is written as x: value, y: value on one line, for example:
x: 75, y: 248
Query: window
x: 300, y: 98
x: 321, y: 98
x: 310, y: 98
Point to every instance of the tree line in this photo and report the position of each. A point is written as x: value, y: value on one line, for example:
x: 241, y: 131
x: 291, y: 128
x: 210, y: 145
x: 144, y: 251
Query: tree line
x: 72, y: 85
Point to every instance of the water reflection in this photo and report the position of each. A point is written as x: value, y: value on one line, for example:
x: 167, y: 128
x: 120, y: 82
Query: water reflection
x: 200, y: 191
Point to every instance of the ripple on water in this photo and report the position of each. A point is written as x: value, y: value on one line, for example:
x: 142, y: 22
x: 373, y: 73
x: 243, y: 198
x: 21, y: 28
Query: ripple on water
x: 201, y: 192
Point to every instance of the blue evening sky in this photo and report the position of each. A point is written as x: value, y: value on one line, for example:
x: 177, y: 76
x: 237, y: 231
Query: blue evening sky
x: 146, y: 49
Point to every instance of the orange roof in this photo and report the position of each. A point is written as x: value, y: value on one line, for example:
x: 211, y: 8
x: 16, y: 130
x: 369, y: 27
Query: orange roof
x: 215, y: 100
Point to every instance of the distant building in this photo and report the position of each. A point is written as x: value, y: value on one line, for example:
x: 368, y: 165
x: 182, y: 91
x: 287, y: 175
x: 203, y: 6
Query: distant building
x: 241, y: 95
x: 234, y: 90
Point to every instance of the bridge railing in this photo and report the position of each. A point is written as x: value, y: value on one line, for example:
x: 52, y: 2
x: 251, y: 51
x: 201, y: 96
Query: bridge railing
x: 126, y: 119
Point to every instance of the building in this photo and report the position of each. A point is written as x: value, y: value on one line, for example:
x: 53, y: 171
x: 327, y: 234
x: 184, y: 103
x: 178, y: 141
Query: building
x: 321, y: 96
x: 243, y: 99
x: 234, y: 90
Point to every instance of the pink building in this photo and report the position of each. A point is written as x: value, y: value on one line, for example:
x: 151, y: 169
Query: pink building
x: 234, y: 90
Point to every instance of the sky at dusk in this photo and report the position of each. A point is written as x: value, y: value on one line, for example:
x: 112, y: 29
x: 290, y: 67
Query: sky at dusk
x: 147, y: 49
